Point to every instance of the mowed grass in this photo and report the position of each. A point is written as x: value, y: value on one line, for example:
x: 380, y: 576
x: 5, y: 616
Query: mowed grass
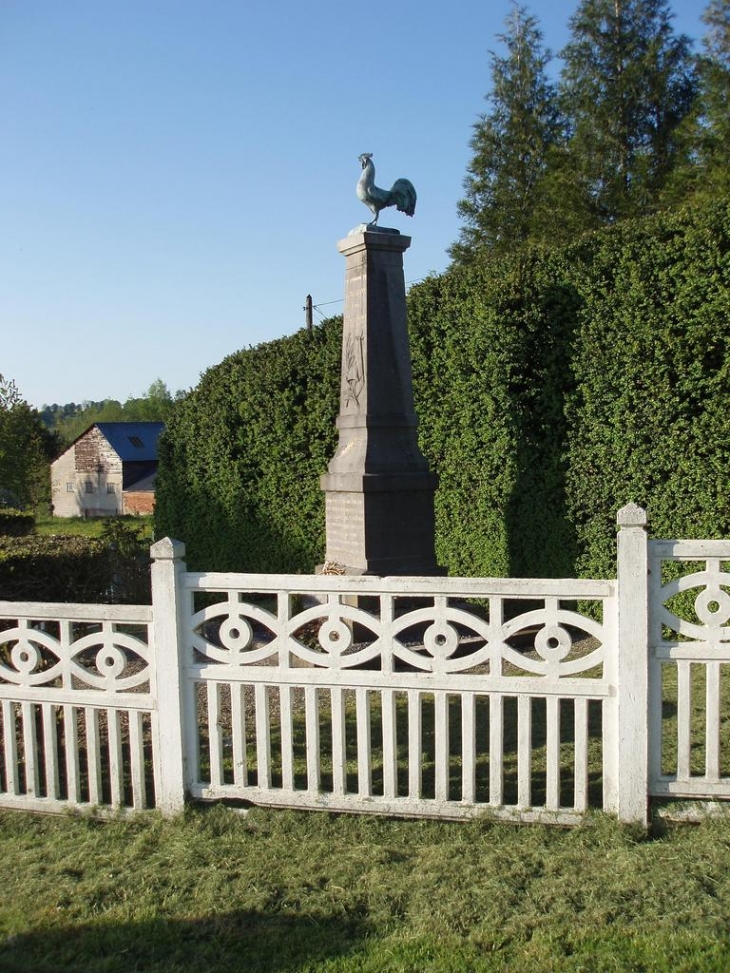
x: 283, y: 891
x: 90, y: 526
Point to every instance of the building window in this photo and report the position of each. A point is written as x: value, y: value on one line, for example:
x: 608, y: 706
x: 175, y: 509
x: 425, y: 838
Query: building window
x: 69, y: 488
x: 89, y: 486
x: 110, y: 488
x: 136, y: 442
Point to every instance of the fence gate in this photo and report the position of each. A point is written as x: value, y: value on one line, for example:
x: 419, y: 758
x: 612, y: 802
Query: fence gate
x: 689, y: 669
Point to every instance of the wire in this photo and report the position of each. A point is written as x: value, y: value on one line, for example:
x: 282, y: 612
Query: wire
x: 316, y: 307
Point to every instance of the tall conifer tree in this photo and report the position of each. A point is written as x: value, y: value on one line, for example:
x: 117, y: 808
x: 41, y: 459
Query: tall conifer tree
x: 627, y: 84
x: 714, y: 146
x: 510, y: 145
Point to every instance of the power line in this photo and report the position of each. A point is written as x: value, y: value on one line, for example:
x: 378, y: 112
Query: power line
x: 316, y: 307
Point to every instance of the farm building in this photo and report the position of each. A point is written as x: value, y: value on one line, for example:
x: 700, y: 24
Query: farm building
x: 109, y: 469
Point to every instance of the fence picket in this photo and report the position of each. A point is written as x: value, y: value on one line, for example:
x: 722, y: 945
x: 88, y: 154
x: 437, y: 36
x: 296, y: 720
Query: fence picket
x: 415, y: 744
x: 30, y: 750
x: 287, y: 744
x: 712, y: 721
x: 50, y: 750
x: 552, y: 801
x: 311, y: 716
x: 364, y: 761
x: 93, y: 755
x: 339, y: 757
x: 215, y: 734
x: 468, y: 748
x: 524, y: 751
x: 580, y: 754
x: 116, y: 766
x: 496, y: 750
x: 263, y: 736
x: 136, y: 759
x: 71, y: 752
x: 10, y: 742
x: 238, y: 730
x: 684, y: 717
x: 441, y: 745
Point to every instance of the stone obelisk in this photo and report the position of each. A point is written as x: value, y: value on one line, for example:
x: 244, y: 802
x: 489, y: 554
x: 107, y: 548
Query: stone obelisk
x: 379, y: 491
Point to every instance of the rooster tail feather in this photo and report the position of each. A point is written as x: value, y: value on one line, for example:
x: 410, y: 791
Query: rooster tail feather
x: 403, y: 195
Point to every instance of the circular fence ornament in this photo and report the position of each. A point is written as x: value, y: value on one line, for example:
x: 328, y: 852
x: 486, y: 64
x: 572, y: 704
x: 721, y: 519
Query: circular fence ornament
x: 110, y: 661
x: 441, y: 640
x: 553, y: 643
x: 713, y: 606
x: 335, y: 636
x: 235, y: 633
x: 25, y: 657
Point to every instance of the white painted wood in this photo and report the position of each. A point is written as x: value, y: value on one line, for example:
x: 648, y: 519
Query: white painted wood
x: 684, y: 719
x: 496, y: 751
x: 468, y: 748
x: 215, y: 733
x: 136, y: 754
x: 580, y: 759
x: 339, y: 754
x: 263, y: 736
x: 93, y: 755
x: 287, y: 742
x: 116, y: 765
x: 364, y: 737
x: 30, y: 750
x: 415, y: 745
x: 399, y: 807
x: 238, y: 732
x: 170, y: 648
x: 568, y: 589
x: 630, y: 727
x: 524, y: 751
x: 441, y: 745
x: 712, y: 721
x: 553, y: 753
x: 71, y: 749
x: 10, y: 747
x: 311, y: 709
x: 50, y: 750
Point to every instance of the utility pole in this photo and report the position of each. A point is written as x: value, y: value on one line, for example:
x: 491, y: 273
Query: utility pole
x: 308, y: 312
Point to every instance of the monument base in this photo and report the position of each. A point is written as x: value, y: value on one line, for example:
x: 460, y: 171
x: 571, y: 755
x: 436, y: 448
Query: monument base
x: 383, y: 527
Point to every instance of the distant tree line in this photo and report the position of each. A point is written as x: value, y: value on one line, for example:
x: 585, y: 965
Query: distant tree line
x: 70, y: 420
x: 635, y: 123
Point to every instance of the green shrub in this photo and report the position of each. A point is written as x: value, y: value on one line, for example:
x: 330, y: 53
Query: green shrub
x: 15, y: 523
x: 111, y: 569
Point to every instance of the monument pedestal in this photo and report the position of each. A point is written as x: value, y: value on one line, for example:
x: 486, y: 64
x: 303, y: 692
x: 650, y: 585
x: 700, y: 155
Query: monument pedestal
x: 379, y: 491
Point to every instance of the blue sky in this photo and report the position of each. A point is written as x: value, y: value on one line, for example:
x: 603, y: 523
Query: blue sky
x: 175, y: 174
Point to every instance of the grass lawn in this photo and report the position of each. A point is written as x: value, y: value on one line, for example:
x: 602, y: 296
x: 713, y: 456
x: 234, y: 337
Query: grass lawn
x: 285, y: 891
x: 89, y: 526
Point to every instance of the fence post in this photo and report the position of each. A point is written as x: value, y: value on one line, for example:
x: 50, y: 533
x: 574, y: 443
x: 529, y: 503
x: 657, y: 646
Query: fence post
x: 632, y: 804
x: 167, y: 570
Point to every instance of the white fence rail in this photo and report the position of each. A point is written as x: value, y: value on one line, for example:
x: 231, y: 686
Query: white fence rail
x: 443, y: 697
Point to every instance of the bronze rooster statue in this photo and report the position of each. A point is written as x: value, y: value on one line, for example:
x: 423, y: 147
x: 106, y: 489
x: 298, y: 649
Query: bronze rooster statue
x: 402, y: 195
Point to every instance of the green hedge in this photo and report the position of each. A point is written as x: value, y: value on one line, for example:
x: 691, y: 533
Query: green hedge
x: 15, y: 523
x: 552, y: 388
x: 114, y: 568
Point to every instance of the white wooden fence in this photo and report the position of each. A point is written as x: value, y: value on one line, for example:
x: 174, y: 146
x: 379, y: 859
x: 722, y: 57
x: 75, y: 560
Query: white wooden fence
x: 528, y: 699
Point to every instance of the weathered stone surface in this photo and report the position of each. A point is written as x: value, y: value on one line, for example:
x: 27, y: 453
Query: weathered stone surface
x: 379, y: 505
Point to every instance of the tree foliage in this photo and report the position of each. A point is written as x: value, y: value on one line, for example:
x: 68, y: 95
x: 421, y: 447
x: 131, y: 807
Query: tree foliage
x: 26, y: 449
x: 510, y: 145
x: 71, y: 420
x: 617, y: 138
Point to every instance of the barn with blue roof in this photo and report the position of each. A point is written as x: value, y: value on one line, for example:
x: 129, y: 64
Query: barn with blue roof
x: 108, y: 470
